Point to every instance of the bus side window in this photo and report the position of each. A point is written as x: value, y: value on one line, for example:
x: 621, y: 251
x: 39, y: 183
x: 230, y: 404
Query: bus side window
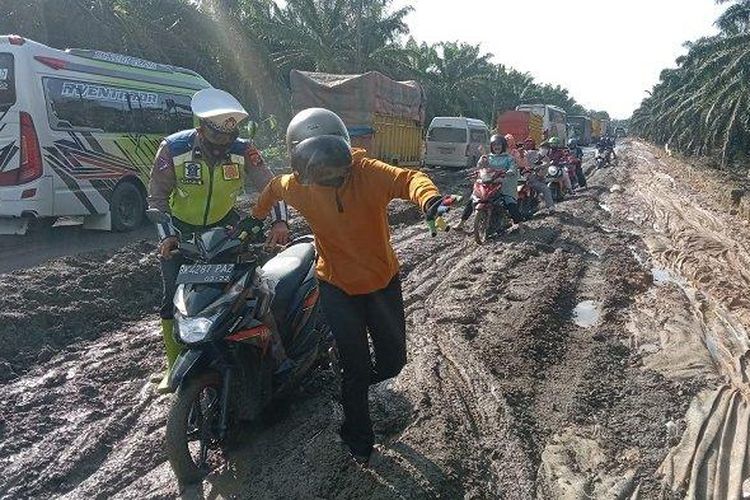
x: 80, y: 105
x: 180, y: 115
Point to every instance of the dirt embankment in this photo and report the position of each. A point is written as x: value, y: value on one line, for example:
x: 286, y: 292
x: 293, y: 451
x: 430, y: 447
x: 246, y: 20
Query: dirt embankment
x: 526, y: 378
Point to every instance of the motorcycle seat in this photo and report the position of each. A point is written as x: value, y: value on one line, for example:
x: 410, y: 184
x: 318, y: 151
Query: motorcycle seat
x: 288, y: 269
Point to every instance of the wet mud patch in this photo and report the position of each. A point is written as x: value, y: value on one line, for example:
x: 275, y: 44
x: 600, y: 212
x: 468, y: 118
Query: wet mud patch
x: 71, y: 299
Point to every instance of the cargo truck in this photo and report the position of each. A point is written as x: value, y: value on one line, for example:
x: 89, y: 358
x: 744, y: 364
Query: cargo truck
x: 554, y: 119
x: 383, y: 116
x: 522, y: 125
x: 599, y: 128
x: 580, y: 128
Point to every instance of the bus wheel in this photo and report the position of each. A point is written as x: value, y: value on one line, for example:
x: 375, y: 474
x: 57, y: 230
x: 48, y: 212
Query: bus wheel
x: 127, y: 207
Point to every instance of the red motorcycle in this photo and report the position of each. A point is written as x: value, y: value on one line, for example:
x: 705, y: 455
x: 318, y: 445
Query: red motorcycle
x: 487, y: 198
x: 528, y: 198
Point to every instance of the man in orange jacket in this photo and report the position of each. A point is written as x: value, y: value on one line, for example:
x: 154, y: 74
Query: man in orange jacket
x: 344, y: 195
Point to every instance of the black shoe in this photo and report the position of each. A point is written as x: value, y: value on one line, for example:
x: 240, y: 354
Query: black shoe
x: 361, y: 460
x: 360, y: 456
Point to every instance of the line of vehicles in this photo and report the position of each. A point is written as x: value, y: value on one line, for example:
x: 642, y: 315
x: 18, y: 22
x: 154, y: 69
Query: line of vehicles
x: 79, y: 128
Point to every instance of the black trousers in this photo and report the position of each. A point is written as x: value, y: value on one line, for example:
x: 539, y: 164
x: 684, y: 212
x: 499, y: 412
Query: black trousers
x: 350, y: 318
x: 580, y: 175
x: 171, y: 267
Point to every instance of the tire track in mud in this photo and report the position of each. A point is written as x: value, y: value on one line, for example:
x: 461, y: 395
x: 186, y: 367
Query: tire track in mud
x: 700, y: 255
x: 498, y: 375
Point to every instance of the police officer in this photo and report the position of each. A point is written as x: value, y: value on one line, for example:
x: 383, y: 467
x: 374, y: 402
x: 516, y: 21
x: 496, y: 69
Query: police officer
x: 196, y: 177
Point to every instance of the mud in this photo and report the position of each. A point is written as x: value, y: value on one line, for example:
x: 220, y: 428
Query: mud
x: 57, y: 305
x: 504, y: 395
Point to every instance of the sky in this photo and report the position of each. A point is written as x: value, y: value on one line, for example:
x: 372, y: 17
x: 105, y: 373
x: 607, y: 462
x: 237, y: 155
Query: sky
x: 607, y: 53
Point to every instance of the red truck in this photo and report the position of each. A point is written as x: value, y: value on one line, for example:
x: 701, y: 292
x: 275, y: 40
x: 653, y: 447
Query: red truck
x: 521, y: 124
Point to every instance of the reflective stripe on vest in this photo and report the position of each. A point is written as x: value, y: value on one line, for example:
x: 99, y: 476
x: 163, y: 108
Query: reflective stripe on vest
x: 204, y: 195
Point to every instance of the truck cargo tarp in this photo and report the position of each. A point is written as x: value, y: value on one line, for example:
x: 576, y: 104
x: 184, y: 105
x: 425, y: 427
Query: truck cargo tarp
x: 357, y: 98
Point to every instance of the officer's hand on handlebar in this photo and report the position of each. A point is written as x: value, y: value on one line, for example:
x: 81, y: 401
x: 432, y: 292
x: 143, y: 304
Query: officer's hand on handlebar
x: 167, y: 246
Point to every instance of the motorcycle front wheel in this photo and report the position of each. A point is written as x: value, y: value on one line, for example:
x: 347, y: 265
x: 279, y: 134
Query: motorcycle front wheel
x: 192, y: 440
x: 482, y: 223
x: 556, y: 192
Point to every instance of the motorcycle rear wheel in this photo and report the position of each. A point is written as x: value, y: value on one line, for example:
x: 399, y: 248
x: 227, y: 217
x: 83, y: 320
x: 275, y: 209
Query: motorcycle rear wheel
x: 482, y: 226
x: 191, y: 428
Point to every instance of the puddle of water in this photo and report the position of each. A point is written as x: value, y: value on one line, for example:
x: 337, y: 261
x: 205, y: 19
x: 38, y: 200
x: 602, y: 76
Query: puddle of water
x: 665, y: 276
x: 586, y: 314
x: 662, y: 276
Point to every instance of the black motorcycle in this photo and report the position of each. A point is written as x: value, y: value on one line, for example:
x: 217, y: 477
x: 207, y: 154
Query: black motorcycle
x: 226, y: 306
x: 603, y: 156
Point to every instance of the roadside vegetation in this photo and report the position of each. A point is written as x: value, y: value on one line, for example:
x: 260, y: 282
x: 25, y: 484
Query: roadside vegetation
x: 702, y: 107
x: 248, y: 47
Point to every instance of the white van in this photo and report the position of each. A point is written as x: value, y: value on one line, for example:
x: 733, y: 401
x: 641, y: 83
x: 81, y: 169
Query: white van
x: 79, y: 130
x: 454, y: 141
x: 554, y: 119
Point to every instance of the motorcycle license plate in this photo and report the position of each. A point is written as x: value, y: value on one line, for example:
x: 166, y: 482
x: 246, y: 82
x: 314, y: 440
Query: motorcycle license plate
x: 205, y: 273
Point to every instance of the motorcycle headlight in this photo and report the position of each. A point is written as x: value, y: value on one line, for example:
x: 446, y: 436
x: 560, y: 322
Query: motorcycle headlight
x: 553, y: 171
x: 192, y: 330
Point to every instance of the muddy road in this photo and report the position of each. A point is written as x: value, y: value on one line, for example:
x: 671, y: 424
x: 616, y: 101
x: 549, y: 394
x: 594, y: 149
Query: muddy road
x: 598, y: 352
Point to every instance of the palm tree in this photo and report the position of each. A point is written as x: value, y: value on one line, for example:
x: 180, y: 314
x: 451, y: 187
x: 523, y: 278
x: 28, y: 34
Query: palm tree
x: 703, y: 106
x: 335, y: 36
x: 736, y: 19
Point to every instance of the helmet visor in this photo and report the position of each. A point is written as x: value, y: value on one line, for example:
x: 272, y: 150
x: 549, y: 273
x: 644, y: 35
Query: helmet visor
x: 323, y: 160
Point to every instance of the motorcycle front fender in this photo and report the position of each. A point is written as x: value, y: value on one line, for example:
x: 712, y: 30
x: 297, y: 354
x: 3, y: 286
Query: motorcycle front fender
x: 188, y: 362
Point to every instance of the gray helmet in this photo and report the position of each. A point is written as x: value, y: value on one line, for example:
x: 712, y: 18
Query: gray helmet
x: 314, y: 122
x: 319, y: 147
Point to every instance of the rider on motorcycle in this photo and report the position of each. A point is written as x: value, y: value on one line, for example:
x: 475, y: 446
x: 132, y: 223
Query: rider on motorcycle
x: 553, y: 152
x: 607, y: 147
x: 577, y: 153
x: 344, y: 195
x: 499, y: 157
x: 196, y: 178
x: 537, y: 172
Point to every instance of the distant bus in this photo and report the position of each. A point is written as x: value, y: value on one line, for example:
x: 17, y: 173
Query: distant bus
x: 79, y: 130
x: 554, y: 119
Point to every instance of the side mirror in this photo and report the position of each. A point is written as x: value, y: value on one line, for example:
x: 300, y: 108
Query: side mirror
x: 156, y: 216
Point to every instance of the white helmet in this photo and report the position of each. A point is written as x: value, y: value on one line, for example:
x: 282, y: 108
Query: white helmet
x: 218, y: 109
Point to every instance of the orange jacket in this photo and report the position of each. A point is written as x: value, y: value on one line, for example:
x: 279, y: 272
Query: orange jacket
x: 350, y: 223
